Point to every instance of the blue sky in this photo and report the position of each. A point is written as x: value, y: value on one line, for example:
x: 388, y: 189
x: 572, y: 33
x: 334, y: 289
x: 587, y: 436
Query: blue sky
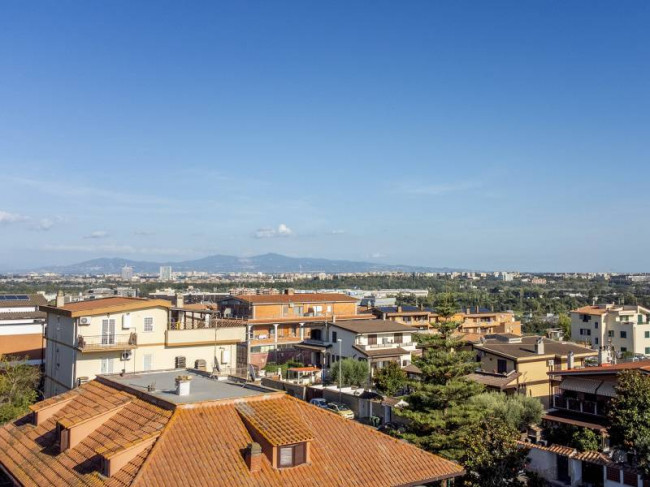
x: 486, y: 135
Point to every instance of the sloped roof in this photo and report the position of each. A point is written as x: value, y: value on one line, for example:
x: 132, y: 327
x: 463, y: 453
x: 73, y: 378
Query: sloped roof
x: 202, y: 443
x: 526, y: 348
x: 14, y: 300
x: 372, y: 326
x: 609, y: 369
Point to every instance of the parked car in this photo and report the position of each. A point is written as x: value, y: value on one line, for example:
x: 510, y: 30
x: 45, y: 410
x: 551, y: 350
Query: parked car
x: 319, y: 402
x: 341, y: 409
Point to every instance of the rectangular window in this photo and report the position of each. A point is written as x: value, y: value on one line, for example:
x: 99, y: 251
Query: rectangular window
x: 148, y: 324
x: 108, y: 332
x: 291, y: 455
x: 107, y: 366
x: 502, y: 366
x: 318, y: 310
x: 329, y: 309
x: 596, y: 341
x: 610, y: 333
x: 334, y: 336
x: 623, y: 349
x: 398, y: 338
x: 596, y: 325
x: 285, y: 310
x: 623, y: 334
x: 147, y: 360
x: 646, y: 334
x: 286, y: 456
x: 298, y: 310
x: 372, y: 339
x: 647, y: 350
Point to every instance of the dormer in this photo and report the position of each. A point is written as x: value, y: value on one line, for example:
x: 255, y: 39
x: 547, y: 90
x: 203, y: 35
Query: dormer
x: 284, y: 438
x: 115, y: 456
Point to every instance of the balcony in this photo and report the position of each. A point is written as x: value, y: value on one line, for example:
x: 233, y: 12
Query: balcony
x: 102, y: 343
x: 375, y: 346
x: 204, y: 336
x: 594, y: 408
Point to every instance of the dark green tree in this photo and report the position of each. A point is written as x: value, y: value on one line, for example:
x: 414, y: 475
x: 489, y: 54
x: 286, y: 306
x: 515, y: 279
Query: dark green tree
x: 517, y: 411
x: 440, y: 410
x: 629, y: 416
x: 492, y: 457
x: 18, y: 383
x: 390, y: 379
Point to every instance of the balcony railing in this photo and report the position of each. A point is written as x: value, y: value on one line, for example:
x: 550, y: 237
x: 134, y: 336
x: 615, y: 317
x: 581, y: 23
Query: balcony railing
x: 375, y: 346
x: 98, y: 343
x: 595, y: 408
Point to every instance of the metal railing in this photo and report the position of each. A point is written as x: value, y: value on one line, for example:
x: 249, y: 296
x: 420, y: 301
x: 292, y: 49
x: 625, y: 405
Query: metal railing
x: 107, y: 341
x: 197, y: 324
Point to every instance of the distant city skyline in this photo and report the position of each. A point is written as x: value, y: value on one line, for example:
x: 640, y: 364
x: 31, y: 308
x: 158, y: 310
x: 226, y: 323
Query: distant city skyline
x: 472, y: 135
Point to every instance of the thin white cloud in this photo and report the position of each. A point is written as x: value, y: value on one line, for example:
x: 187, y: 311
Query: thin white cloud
x: 6, y: 217
x: 44, y: 225
x: 97, y: 234
x: 337, y: 232
x: 281, y: 231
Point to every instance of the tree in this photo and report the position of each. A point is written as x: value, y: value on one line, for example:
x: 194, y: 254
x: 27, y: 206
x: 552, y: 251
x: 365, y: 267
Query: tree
x: 629, y: 416
x: 492, y: 457
x: 440, y: 410
x: 18, y: 383
x: 564, y: 322
x: 517, y: 411
x: 582, y: 439
x: 390, y: 379
x: 354, y: 372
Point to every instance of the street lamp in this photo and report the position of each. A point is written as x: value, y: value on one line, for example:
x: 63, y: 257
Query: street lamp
x: 340, y: 368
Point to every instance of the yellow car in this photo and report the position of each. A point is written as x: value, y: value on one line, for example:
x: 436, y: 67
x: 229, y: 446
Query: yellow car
x: 341, y: 409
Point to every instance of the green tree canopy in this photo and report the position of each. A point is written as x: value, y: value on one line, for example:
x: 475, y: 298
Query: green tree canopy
x: 353, y: 372
x: 18, y: 383
x: 517, y: 411
x: 390, y: 379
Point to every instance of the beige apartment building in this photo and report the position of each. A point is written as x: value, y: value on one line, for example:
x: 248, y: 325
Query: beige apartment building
x: 115, y: 335
x: 617, y: 328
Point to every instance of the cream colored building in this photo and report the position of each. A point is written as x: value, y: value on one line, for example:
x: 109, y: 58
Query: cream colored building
x: 619, y: 328
x: 114, y: 335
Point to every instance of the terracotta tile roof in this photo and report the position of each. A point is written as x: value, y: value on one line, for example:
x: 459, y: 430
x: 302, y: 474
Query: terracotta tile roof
x: 591, y: 310
x: 642, y: 365
x: 307, y: 319
x: 382, y: 352
x: 105, y: 305
x: 204, y: 446
x: 30, y: 454
x: 295, y: 298
x: 277, y: 424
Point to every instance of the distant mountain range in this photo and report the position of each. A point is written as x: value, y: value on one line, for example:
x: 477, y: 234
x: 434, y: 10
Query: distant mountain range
x: 267, y: 263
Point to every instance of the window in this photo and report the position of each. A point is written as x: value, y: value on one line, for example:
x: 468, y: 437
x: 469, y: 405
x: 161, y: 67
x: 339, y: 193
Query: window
x: 398, y: 338
x: 329, y: 309
x: 298, y: 310
x: 147, y: 360
x: 148, y: 324
x: 372, y: 339
x: 646, y: 334
x: 623, y: 349
x: 334, y: 336
x: 647, y: 350
x: 623, y: 334
x: 107, y: 366
x: 318, y: 310
x: 596, y: 341
x: 610, y: 333
x: 585, y: 331
x: 596, y: 325
x: 285, y: 310
x: 291, y: 455
x: 502, y: 366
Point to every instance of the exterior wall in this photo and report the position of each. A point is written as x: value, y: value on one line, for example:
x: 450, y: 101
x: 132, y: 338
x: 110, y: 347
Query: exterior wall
x: 65, y: 364
x: 542, y: 462
x: 22, y: 338
x: 634, y: 323
x: 271, y: 311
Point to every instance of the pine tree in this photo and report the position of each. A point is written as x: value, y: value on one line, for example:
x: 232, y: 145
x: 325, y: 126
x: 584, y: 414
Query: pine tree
x: 440, y: 409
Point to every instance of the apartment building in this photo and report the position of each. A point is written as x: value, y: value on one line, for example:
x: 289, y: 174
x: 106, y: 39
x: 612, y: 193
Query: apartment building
x: 22, y: 327
x: 375, y: 341
x: 186, y: 428
x: 113, y: 335
x: 527, y: 361
x: 276, y: 324
x: 581, y: 397
x: 617, y: 328
x: 482, y: 321
x: 418, y: 318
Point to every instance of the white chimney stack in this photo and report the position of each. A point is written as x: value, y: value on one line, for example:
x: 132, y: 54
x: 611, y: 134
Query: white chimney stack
x: 570, y: 360
x: 183, y: 385
x: 539, y: 346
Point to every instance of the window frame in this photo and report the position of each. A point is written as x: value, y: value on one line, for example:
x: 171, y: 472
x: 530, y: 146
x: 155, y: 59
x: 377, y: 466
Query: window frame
x: 144, y: 324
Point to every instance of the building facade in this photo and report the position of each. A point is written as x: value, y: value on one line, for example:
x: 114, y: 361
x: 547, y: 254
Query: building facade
x: 114, y: 335
x: 616, y: 328
x: 22, y: 327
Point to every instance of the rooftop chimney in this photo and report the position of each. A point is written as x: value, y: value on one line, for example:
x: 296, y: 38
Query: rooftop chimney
x: 539, y: 346
x: 183, y: 385
x: 180, y: 300
x: 60, y: 299
x: 569, y: 360
x: 254, y: 457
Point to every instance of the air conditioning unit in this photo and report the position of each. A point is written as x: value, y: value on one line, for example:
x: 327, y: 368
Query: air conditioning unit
x: 84, y: 321
x: 126, y: 355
